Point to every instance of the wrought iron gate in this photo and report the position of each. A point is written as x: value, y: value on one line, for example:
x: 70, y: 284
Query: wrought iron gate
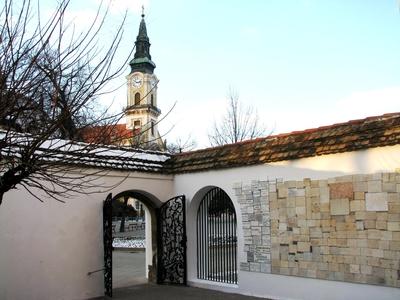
x: 216, y: 238
x: 172, y: 242
x: 107, y: 236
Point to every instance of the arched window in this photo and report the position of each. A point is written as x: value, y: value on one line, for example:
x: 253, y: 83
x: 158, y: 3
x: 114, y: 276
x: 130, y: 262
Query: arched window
x: 216, y: 238
x: 137, y: 99
x: 151, y: 100
x: 152, y: 128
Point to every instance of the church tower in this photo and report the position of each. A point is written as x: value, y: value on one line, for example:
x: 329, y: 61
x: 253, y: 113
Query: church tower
x: 142, y: 112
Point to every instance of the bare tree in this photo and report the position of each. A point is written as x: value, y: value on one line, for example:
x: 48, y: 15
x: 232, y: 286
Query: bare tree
x: 239, y: 123
x: 123, y: 214
x: 181, y: 145
x: 50, y: 78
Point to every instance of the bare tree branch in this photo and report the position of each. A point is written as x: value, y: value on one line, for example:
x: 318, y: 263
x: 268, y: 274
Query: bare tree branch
x: 238, y: 124
x: 50, y: 80
x: 181, y: 145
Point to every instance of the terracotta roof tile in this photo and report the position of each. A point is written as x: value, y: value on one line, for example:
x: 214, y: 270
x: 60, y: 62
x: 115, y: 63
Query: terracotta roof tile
x: 108, y: 134
x: 344, y: 137
x: 354, y: 135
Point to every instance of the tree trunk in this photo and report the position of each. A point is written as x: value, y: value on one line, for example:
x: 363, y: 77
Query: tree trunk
x: 123, y: 214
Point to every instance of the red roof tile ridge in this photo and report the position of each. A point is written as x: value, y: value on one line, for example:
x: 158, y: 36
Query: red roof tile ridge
x: 294, y: 133
x: 335, y: 125
x: 224, y: 146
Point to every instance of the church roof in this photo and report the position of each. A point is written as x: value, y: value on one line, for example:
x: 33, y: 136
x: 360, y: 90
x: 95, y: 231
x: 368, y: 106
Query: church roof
x: 354, y: 135
x: 108, y: 134
x: 142, y: 30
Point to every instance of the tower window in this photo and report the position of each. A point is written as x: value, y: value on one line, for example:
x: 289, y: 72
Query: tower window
x: 137, y: 99
x: 152, y: 128
x: 151, y: 100
x: 136, y: 123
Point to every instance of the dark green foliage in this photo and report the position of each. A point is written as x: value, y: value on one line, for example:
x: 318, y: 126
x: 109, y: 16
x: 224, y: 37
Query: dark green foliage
x: 119, y: 208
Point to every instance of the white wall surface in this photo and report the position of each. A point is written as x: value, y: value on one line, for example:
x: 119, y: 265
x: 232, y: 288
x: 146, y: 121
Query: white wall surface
x: 149, y: 244
x: 195, y: 185
x: 291, y: 287
x: 47, y: 249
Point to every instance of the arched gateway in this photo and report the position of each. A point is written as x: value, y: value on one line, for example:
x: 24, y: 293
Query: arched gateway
x: 168, y: 238
x: 216, y: 238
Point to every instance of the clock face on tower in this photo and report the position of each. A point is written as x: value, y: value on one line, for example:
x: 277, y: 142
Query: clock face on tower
x: 137, y: 80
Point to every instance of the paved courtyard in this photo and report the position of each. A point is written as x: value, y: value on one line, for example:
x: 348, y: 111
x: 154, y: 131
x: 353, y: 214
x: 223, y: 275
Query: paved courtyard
x: 128, y: 268
x: 168, y: 292
x: 130, y: 283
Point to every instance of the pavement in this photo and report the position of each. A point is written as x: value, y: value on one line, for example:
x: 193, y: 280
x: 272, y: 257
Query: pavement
x: 151, y: 291
x: 129, y: 282
x: 128, y: 268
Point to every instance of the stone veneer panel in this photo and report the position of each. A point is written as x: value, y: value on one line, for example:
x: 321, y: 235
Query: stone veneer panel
x: 352, y: 235
x: 345, y: 228
x: 254, y: 204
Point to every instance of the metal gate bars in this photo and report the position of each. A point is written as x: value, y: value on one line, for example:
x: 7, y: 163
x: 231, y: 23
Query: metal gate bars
x: 107, y: 240
x: 216, y: 238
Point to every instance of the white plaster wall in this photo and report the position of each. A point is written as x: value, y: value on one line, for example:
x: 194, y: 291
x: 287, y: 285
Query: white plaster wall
x: 47, y: 249
x: 291, y: 287
x: 148, y: 236
x: 194, y: 186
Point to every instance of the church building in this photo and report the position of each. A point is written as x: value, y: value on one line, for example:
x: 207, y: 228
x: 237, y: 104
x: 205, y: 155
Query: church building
x: 142, y: 112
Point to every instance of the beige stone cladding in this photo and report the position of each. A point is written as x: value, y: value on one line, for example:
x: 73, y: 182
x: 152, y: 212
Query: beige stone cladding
x: 346, y: 228
x: 254, y: 204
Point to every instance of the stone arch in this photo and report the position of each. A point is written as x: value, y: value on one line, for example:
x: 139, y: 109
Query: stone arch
x: 152, y: 203
x: 146, y: 198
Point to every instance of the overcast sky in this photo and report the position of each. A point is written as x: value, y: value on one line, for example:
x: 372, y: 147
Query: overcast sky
x: 301, y: 64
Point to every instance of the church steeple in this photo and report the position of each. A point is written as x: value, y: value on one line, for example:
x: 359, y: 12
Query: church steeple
x: 142, y: 112
x: 142, y: 60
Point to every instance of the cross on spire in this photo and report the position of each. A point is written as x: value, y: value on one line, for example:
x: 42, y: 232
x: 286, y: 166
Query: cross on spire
x: 142, y: 11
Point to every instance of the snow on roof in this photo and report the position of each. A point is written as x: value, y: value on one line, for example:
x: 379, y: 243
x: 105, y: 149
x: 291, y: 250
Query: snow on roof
x: 377, y: 131
x: 84, y: 154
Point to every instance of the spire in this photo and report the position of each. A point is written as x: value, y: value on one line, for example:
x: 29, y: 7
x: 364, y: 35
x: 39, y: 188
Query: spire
x: 142, y: 60
x: 142, y: 29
